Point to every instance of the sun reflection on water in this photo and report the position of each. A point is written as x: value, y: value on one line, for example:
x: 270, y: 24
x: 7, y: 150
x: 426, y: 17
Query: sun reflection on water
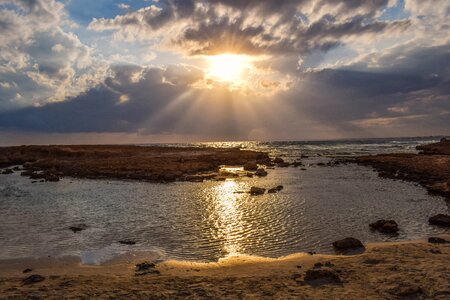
x: 228, y: 217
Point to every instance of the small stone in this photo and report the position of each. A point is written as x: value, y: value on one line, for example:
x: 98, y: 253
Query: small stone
x: 318, y: 265
x: 257, y: 191
x: 127, y: 242
x: 78, y: 228
x: 278, y: 160
x: 327, y: 275
x: 261, y: 172
x: 437, y: 240
x: 33, y: 279
x: 144, y: 266
x: 27, y: 270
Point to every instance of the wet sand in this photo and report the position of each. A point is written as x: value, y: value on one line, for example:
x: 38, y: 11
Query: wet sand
x: 156, y: 164
x: 411, y: 270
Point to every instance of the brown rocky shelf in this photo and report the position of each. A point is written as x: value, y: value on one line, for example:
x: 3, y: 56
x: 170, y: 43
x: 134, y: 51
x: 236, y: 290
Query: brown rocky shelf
x: 157, y: 164
x: 430, y: 167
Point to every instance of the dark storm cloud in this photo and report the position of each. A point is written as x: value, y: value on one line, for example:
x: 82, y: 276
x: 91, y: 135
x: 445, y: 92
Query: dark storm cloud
x: 163, y: 101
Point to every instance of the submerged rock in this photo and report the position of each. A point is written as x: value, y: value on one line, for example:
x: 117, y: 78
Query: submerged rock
x: 78, y: 228
x: 127, y: 242
x: 275, y: 189
x: 257, y: 191
x: 440, y: 220
x: 385, y: 226
x: 348, y: 243
x: 33, y: 279
x: 437, y: 240
x: 7, y: 171
x: 261, y: 172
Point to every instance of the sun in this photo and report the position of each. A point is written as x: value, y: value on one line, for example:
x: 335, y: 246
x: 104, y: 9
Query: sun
x: 228, y: 67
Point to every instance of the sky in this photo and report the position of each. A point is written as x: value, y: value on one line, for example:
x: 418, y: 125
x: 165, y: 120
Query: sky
x: 143, y: 71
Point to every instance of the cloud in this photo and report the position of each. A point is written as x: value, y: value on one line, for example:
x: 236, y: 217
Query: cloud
x: 393, y: 98
x: 40, y: 62
x: 252, y: 27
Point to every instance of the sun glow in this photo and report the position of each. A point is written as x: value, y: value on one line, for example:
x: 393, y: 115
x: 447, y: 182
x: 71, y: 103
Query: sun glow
x: 228, y: 67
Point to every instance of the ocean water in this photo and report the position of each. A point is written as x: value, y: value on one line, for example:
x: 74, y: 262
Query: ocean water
x: 211, y: 220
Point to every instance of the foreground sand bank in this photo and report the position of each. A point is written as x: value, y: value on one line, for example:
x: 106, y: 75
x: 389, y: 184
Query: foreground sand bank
x: 412, y: 270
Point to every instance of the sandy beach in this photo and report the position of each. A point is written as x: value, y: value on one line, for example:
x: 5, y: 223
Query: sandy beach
x: 406, y: 270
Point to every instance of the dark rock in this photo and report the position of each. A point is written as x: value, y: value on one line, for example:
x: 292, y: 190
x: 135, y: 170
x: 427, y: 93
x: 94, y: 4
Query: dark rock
x: 385, y: 226
x: 127, y: 242
x: 78, y: 228
x: 275, y: 189
x: 304, y: 156
x: 250, y: 175
x: 250, y: 167
x: 278, y: 160
x: 325, y: 275
x: 7, y: 171
x: 283, y: 165
x: 443, y: 140
x: 329, y: 264
x: 297, y: 164
x: 145, y: 266
x: 440, y: 220
x: 321, y: 164
x: 437, y: 240
x: 27, y: 270
x: 33, y: 279
x: 27, y: 173
x: 348, y: 243
x: 16, y: 168
x: 257, y: 190
x: 318, y: 265
x: 261, y: 172
x: 372, y: 261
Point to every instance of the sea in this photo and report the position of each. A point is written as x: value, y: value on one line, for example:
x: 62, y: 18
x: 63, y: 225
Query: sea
x: 212, y: 220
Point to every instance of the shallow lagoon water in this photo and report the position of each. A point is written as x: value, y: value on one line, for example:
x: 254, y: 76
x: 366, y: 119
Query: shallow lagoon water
x: 210, y: 220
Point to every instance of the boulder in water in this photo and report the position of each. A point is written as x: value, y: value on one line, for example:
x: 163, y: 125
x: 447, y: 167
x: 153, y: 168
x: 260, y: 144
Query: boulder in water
x: 257, y: 191
x: 440, y: 220
x: 347, y: 244
x: 385, y: 226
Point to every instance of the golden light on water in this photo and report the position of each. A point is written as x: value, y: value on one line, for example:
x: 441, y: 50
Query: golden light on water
x: 228, y: 67
x: 228, y: 216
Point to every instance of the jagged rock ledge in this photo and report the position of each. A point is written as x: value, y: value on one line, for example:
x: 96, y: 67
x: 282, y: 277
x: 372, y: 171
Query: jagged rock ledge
x: 156, y: 164
x: 430, y: 167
